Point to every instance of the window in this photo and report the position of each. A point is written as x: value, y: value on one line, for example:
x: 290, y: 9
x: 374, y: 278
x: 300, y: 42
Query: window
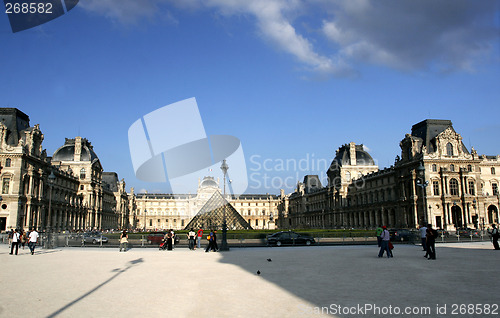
x: 449, y: 149
x: 471, y: 188
x: 82, y: 187
x: 492, y: 170
x: 348, y: 176
x: 82, y: 173
x: 494, y: 187
x: 435, y: 187
x: 256, y: 222
x: 452, y: 167
x: 5, y: 185
x: 150, y: 222
x: 453, y: 187
x: 469, y: 168
x: 434, y: 168
x: 8, y: 162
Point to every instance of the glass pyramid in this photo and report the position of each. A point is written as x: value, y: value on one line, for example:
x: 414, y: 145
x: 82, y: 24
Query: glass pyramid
x: 211, y: 215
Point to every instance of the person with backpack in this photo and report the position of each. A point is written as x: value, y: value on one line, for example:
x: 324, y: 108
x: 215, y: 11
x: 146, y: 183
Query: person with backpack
x: 210, y: 245
x: 494, y: 235
x: 431, y: 242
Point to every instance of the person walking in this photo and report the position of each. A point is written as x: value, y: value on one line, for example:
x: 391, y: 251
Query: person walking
x: 210, y: 245
x: 15, y: 242
x: 423, y: 233
x: 11, y: 233
x: 199, y: 235
x: 23, y: 238
x: 169, y: 240
x: 123, y: 241
x: 215, y: 246
x: 494, y: 235
x: 191, y: 236
x: 431, y: 242
x: 378, y: 233
x: 384, y: 246
x: 32, y: 240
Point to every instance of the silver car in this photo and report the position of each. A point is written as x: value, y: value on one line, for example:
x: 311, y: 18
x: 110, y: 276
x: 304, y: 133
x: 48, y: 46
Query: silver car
x: 94, y: 238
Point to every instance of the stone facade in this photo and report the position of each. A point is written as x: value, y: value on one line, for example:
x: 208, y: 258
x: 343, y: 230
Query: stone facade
x: 435, y: 180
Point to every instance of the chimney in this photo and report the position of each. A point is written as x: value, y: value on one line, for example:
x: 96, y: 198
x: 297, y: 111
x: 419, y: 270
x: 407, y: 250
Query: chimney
x: 352, y: 153
x: 78, y: 149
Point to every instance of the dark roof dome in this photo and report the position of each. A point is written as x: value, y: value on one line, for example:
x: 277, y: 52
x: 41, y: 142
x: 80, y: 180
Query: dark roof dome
x: 344, y: 154
x: 67, y: 151
x: 209, y: 182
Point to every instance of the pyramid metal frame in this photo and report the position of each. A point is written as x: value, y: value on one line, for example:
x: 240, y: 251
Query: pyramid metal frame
x: 211, y: 215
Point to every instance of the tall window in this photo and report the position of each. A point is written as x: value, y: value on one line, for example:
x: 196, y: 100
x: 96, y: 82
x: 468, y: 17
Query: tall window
x: 5, y: 185
x: 492, y: 170
x: 449, y: 149
x: 452, y: 167
x: 82, y: 173
x: 8, y: 162
x: 435, y: 187
x: 471, y: 188
x: 453, y: 187
x: 434, y: 168
x: 469, y: 168
x: 494, y: 187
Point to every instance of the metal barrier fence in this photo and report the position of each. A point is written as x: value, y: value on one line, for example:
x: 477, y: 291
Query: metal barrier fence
x: 234, y: 240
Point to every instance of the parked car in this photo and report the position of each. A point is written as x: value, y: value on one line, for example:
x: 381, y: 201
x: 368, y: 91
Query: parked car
x: 94, y: 238
x: 401, y: 235
x: 155, y: 238
x: 289, y: 238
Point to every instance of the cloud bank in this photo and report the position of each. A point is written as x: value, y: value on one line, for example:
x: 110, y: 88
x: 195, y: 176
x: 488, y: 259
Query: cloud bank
x: 408, y: 35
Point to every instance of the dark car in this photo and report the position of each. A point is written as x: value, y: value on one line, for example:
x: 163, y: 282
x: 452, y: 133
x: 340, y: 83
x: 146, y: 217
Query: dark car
x: 289, y: 238
x: 155, y: 238
x: 401, y: 235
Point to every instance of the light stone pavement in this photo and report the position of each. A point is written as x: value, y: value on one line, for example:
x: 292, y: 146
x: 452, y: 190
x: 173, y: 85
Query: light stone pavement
x: 101, y: 282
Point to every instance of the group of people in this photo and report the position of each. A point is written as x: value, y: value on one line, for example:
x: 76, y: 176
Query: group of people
x: 428, y: 237
x: 20, y: 237
x: 211, y: 238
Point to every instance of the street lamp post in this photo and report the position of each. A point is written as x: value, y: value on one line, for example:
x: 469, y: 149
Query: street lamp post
x: 423, y: 184
x: 48, y: 243
x: 224, y: 247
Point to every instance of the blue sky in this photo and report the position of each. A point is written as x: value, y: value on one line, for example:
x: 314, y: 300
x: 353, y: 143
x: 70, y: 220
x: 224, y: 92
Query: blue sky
x: 293, y: 80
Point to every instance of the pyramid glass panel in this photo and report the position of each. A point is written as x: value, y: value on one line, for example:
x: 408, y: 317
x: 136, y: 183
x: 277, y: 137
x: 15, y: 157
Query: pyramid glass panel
x: 211, y: 215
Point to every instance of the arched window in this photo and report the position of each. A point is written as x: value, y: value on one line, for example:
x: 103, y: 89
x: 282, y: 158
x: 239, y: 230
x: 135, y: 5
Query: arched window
x: 449, y: 149
x: 453, y: 187
x: 82, y: 173
x: 348, y: 176
x: 434, y: 168
x: 8, y: 162
x: 492, y: 170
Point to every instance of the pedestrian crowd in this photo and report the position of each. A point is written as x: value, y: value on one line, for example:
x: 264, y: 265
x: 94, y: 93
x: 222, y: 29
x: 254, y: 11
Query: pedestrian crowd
x: 20, y: 237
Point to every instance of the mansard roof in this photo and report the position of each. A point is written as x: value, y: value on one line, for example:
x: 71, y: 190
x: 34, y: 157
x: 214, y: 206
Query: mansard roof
x: 67, y: 151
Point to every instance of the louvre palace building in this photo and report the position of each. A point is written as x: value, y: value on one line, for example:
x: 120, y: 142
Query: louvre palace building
x: 435, y: 179
x: 66, y: 192
x: 176, y: 211
x: 70, y: 191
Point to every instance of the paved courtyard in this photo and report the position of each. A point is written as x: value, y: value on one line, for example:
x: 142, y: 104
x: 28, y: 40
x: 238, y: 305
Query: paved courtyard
x: 342, y: 281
